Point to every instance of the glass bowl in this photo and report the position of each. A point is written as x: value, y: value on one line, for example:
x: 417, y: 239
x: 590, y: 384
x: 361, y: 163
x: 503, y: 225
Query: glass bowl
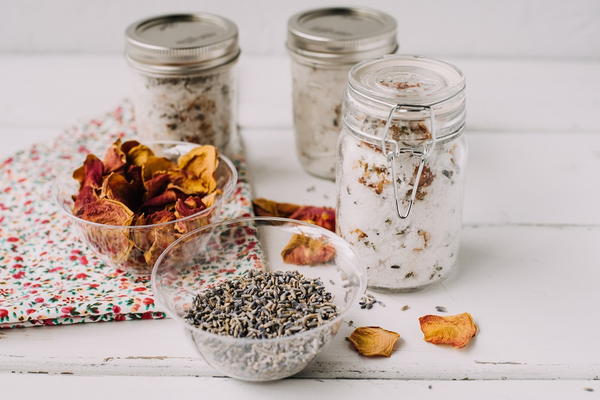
x: 136, y: 248
x: 222, y: 250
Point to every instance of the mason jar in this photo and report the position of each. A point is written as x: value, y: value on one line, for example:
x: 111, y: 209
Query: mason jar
x: 401, y: 169
x: 184, y: 82
x: 324, y: 44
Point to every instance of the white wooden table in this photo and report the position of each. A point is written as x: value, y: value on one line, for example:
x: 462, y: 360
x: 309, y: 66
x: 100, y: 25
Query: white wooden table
x: 529, y: 269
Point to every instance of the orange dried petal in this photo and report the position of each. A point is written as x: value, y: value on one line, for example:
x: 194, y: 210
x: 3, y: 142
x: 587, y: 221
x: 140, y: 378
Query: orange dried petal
x: 139, y: 154
x: 455, y: 330
x: 198, y: 168
x: 270, y: 208
x: 305, y: 250
x: 163, y: 237
x: 199, y: 160
x: 373, y: 341
x: 188, y: 184
x: 156, y: 164
x: 210, y: 199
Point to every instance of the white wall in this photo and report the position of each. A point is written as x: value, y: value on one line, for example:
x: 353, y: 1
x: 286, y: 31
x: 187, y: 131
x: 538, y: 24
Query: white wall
x: 561, y: 29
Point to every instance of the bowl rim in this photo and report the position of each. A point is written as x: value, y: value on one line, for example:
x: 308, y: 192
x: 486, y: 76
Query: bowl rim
x: 360, y: 271
x: 227, y: 192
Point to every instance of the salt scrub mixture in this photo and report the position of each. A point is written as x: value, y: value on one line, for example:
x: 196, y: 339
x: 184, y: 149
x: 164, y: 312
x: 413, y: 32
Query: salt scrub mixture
x: 197, y: 109
x: 324, y: 44
x: 317, y: 97
x: 404, y: 246
x: 183, y: 77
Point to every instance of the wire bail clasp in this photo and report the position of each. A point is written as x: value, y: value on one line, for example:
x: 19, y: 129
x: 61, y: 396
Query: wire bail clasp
x: 423, y: 151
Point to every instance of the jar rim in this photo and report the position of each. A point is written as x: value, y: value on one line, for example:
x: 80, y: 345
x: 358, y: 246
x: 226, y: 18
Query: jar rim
x: 179, y: 70
x: 406, y: 79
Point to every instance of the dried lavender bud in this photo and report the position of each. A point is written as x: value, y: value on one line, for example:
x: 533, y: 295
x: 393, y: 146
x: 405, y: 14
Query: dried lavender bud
x: 367, y: 302
x: 263, y: 305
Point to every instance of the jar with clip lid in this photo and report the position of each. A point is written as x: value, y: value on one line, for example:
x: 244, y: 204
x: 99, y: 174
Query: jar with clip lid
x: 401, y: 169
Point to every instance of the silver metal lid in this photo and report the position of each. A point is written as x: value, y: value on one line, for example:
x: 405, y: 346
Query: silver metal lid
x: 341, y: 34
x: 181, y: 43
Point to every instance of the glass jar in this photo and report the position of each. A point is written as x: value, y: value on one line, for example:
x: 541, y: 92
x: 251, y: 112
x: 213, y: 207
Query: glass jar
x: 184, y: 82
x: 324, y: 44
x: 401, y: 169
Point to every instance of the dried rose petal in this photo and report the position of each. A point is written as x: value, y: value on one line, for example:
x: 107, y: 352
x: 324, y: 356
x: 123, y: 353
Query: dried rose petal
x: 162, y: 199
x: 321, y: 216
x: 210, y: 199
x: 163, y: 237
x: 188, y: 184
x: 106, y: 211
x: 306, y: 250
x: 86, y: 195
x: 156, y: 185
x: 156, y: 164
x: 199, y: 160
x: 128, y: 145
x: 134, y: 175
x: 455, y: 330
x: 90, y: 173
x: 189, y: 206
x: 198, y: 168
x: 139, y: 154
x: 373, y: 341
x: 116, y: 187
x: 270, y: 208
x: 159, y: 217
x: 114, y: 158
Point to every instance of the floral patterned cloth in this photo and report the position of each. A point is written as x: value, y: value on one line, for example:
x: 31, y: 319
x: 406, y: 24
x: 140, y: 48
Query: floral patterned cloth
x: 47, y: 275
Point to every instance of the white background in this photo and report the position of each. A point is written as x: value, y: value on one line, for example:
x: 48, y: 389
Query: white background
x: 556, y: 29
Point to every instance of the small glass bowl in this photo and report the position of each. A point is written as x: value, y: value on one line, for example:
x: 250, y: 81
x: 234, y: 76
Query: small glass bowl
x: 136, y: 248
x: 219, y: 251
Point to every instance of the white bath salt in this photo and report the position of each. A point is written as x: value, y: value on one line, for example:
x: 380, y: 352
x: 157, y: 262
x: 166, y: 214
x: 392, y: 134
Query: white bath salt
x: 324, y: 44
x: 198, y: 109
x: 317, y: 96
x: 401, y: 253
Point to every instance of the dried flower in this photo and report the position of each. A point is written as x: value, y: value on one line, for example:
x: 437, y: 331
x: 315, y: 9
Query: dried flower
x: 373, y: 341
x: 455, y: 330
x: 321, y: 216
x: 305, y: 250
